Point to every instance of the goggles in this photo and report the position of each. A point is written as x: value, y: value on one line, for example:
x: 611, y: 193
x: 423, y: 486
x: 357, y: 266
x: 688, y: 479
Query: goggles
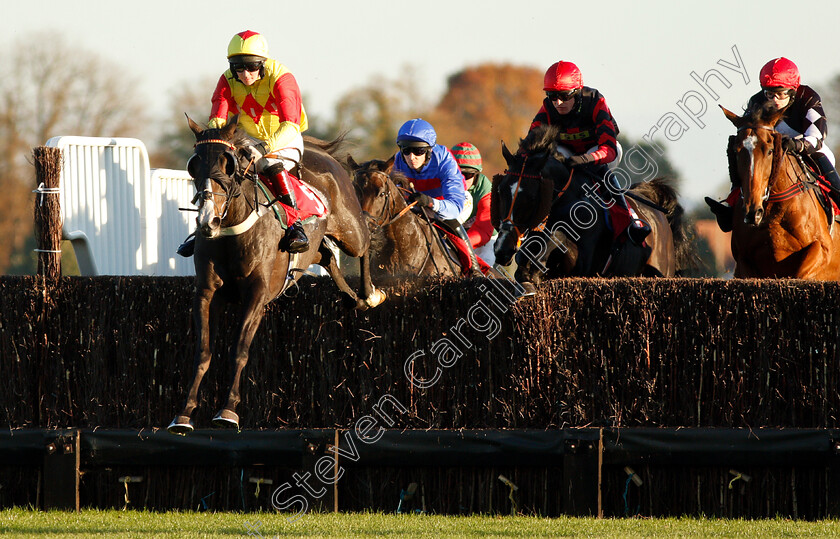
x: 415, y: 150
x: 778, y: 94
x: 245, y: 66
x: 564, y: 95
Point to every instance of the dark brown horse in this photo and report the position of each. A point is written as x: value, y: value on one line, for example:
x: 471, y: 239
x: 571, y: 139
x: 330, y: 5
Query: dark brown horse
x: 780, y: 228
x: 403, y: 243
x: 237, y: 255
x: 564, y: 231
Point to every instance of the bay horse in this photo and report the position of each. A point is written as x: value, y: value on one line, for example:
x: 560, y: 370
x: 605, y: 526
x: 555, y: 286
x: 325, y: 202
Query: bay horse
x: 563, y: 227
x: 237, y: 255
x: 403, y: 243
x: 780, y: 228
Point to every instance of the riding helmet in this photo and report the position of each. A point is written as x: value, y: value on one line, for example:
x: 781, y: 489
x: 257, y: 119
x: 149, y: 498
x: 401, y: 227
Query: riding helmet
x: 779, y: 73
x: 562, y: 76
x: 416, y: 133
x: 467, y: 156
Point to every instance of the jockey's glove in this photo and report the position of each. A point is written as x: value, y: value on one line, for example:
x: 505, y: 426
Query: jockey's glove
x: 257, y: 150
x: 422, y: 199
x: 577, y: 160
x: 793, y: 145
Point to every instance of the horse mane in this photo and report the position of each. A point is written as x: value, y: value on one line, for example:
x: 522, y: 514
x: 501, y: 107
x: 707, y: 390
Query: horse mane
x: 539, y: 139
x: 663, y: 192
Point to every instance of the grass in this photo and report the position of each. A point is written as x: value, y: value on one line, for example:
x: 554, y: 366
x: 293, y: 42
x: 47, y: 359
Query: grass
x: 54, y: 524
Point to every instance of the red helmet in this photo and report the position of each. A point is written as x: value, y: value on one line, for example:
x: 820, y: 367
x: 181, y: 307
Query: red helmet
x: 780, y: 72
x: 562, y: 76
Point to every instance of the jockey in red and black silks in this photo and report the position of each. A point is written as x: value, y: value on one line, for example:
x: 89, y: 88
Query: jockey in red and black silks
x: 588, y: 130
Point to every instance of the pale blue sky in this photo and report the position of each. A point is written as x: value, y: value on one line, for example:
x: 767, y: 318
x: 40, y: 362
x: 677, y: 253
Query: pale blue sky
x: 640, y: 55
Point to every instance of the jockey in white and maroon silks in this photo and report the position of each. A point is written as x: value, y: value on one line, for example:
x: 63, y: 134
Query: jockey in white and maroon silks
x: 588, y: 130
x: 439, y: 183
x: 803, y: 125
x: 267, y: 98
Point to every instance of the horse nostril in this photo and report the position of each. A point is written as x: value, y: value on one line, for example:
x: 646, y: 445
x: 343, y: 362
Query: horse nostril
x: 215, y: 222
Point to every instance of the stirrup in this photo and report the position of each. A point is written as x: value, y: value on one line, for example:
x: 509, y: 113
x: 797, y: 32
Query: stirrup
x: 187, y: 248
x: 724, y: 214
x: 295, y: 239
x: 638, y: 231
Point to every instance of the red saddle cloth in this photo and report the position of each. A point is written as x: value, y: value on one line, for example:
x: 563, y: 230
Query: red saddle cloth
x: 309, y: 203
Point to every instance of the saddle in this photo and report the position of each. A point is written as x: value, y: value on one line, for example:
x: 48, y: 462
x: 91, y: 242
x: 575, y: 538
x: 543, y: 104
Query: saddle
x: 832, y: 212
x: 310, y: 203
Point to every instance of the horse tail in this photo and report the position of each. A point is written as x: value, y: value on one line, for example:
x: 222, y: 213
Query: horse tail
x: 661, y: 191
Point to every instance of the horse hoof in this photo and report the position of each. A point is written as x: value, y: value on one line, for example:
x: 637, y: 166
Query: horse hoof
x: 528, y: 290
x: 181, y: 425
x: 376, y: 298
x: 226, y: 419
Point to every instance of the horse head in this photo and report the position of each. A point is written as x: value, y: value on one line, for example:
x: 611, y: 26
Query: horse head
x: 523, y: 195
x: 372, y: 181
x: 217, y: 160
x: 755, y: 158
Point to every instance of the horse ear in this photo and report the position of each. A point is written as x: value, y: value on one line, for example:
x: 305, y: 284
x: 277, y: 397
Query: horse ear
x: 352, y: 163
x: 389, y: 165
x: 736, y: 120
x: 506, y: 153
x: 197, y: 129
x: 230, y: 127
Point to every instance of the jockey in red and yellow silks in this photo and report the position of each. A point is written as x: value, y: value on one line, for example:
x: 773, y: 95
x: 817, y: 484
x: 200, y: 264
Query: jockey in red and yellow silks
x: 266, y: 96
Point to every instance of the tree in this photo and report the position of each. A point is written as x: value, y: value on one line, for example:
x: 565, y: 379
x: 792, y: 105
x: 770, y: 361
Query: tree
x: 56, y: 90
x: 373, y: 114
x: 175, y: 144
x: 488, y: 103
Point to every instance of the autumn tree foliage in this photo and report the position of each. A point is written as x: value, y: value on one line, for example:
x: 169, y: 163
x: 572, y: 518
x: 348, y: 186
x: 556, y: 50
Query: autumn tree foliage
x: 488, y: 103
x: 56, y: 89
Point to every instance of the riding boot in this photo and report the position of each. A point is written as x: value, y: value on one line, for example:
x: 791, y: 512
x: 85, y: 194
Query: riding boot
x: 723, y: 213
x: 295, y: 239
x: 638, y: 229
x: 187, y: 248
x: 830, y: 175
x: 475, y: 268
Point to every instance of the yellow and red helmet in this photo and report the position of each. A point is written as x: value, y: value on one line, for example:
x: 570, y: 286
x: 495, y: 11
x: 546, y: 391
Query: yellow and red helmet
x: 248, y: 43
x: 779, y: 73
x: 562, y: 76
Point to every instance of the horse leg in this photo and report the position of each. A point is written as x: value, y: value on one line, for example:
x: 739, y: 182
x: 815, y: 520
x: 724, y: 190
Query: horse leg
x: 809, y: 262
x: 251, y: 317
x: 355, y: 241
x: 182, y: 424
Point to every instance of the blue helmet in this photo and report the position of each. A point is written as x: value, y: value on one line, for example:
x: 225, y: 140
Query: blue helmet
x: 416, y: 132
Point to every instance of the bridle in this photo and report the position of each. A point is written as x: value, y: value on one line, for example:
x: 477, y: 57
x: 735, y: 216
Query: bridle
x: 385, y: 217
x: 799, y: 185
x: 519, y: 176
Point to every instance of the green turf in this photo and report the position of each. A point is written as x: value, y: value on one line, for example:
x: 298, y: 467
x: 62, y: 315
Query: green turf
x: 23, y: 523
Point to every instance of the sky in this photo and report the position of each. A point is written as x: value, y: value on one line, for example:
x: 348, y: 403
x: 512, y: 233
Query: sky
x: 641, y: 55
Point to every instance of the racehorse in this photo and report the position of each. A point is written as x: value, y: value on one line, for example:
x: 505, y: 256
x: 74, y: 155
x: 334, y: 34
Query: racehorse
x: 562, y: 224
x: 780, y: 228
x: 403, y: 242
x: 237, y: 252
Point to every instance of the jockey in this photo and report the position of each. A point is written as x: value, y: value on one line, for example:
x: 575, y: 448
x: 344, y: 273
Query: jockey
x: 439, y: 184
x: 803, y: 127
x: 478, y: 225
x: 588, y: 130
x: 267, y: 98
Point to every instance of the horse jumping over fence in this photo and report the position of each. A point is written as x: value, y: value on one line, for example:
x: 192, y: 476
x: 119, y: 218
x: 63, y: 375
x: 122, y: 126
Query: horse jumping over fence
x: 780, y: 228
x: 549, y: 209
x: 237, y: 254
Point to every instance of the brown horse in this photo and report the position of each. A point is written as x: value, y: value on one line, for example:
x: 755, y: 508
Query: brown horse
x: 237, y: 252
x: 564, y: 230
x: 403, y: 243
x: 780, y: 229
